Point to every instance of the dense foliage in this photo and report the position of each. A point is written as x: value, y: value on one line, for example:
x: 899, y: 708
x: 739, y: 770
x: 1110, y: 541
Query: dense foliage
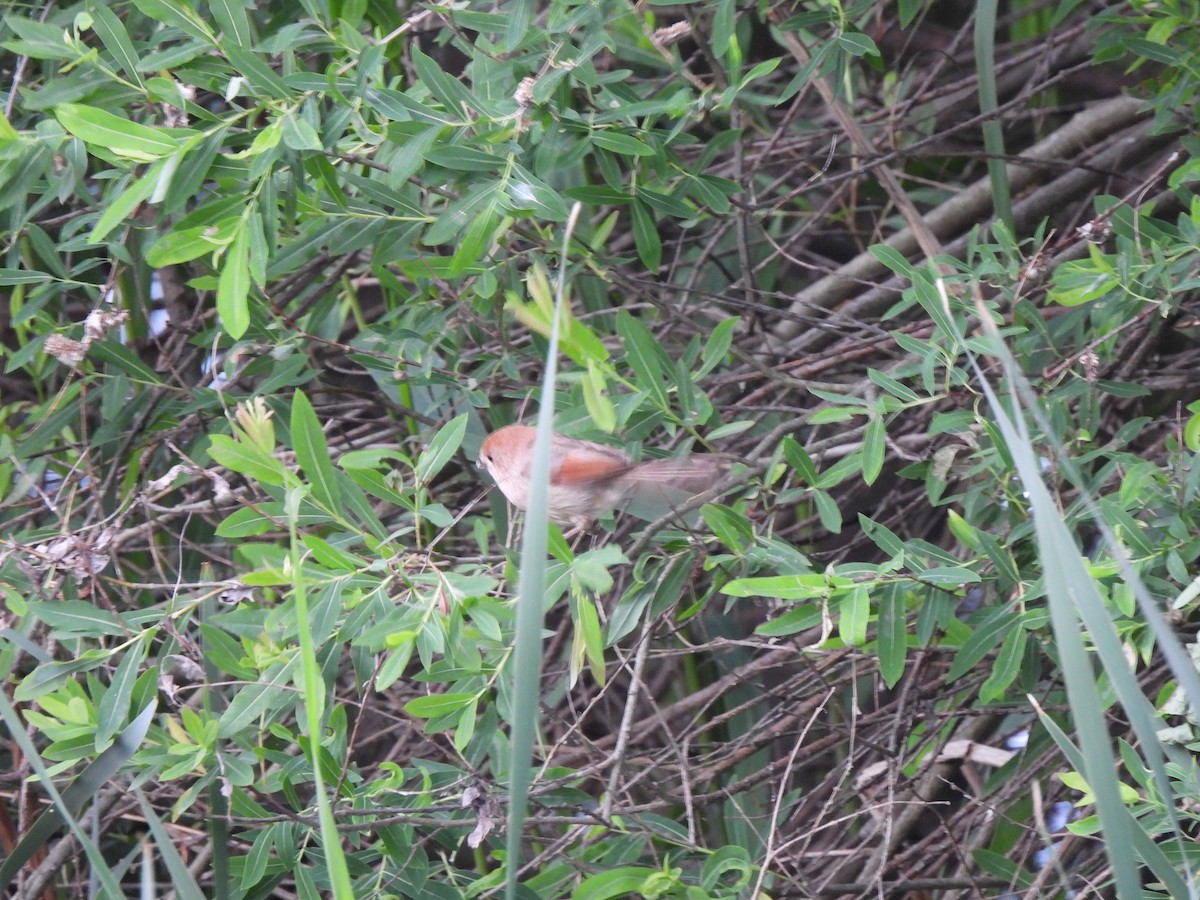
x: 927, y: 271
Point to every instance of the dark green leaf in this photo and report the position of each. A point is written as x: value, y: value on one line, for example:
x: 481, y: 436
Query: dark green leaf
x: 646, y: 236
x: 312, y: 452
x: 621, y: 143
x: 441, y: 449
x: 645, y: 358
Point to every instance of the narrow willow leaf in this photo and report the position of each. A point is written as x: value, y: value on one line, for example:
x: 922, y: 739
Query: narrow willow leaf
x: 49, y: 676
x: 299, y: 135
x: 122, y: 206
x: 434, y: 705
x: 112, y: 34
x: 621, y: 143
x: 261, y: 78
x: 893, y: 634
x: 646, y: 236
x: 118, y: 135
x: 731, y: 528
x: 182, y: 16
x: 520, y: 17
x: 312, y: 453
x: 233, y: 287
x: 828, y: 512
x: 896, y: 388
x: 587, y: 622
x: 239, y: 456
x: 644, y: 356
x: 261, y: 700
x: 177, y: 246
x: 874, y: 439
x: 441, y: 449
x: 596, y: 399
x: 988, y: 633
x: 798, y: 458
x: 113, y: 708
x: 233, y: 21
x: 476, y: 241
x: 716, y: 348
x: 854, y: 612
x: 78, y: 618
x: 1007, y: 665
x: 446, y: 88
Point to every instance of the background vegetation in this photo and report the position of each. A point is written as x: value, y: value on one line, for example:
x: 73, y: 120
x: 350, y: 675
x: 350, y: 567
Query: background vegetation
x: 272, y: 271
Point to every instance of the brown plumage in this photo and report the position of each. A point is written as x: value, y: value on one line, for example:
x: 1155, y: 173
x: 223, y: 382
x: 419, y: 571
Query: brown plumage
x: 588, y: 480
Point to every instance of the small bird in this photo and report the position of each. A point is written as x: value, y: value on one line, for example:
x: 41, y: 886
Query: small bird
x: 588, y: 480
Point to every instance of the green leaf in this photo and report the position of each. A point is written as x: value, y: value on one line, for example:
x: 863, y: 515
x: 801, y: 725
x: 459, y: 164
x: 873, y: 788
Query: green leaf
x: 587, y: 622
x: 857, y: 44
x: 112, y: 34
x: 724, y: 26
x: 716, y: 348
x: 619, y: 882
x: 176, y: 246
x: 234, y: 24
x: 233, y: 286
x: 897, y: 389
x: 49, y: 676
x: 449, y: 90
x: 121, y: 207
x: 249, y: 522
x: 645, y: 235
x: 643, y: 354
x: 783, y: 587
x: 962, y: 530
x: 115, y: 134
x: 949, y: 575
x: 10, y: 277
x: 113, y: 708
x: 988, y: 633
x: 258, y: 75
x: 595, y: 398
x: 520, y: 17
x: 299, y: 135
x: 39, y: 40
x: 793, y: 621
x: 724, y: 860
x: 798, y: 458
x: 180, y: 15
x: 855, y: 610
x: 1007, y: 666
x: 828, y: 512
x: 874, y: 439
x: 893, y: 259
x: 893, y: 635
x: 312, y: 453
x: 762, y: 69
x: 434, y: 705
x: 624, y: 144
x: 476, y: 241
x: 241, y: 457
x: 525, y: 192
x: 730, y: 527
x: 258, y: 703
x: 441, y: 449
x: 882, y: 536
x: 77, y: 617
x: 464, y: 158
